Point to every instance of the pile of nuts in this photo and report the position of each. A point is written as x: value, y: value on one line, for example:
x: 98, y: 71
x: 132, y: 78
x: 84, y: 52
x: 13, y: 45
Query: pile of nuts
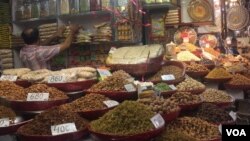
x: 160, y: 105
x: 212, y: 113
x: 165, y: 70
x: 195, y: 67
x: 214, y: 96
x: 239, y: 79
x: 112, y: 83
x: 90, y: 102
x: 41, y: 124
x: 219, y: 73
x: 10, y: 90
x: 189, y: 84
x: 195, y: 127
x: 185, y: 98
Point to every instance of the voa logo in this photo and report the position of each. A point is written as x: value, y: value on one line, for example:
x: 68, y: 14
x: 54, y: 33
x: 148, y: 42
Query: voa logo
x: 236, y: 132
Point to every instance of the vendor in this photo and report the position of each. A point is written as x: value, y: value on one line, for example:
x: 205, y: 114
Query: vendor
x: 36, y: 55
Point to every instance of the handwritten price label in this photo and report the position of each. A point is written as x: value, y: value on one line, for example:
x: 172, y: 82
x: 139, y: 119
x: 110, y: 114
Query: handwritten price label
x: 158, y: 121
x: 130, y: 87
x: 38, y: 97
x: 172, y: 87
x: 167, y: 77
x: 56, y: 79
x: 111, y: 103
x: 8, y: 78
x: 233, y: 115
x: 63, y: 129
x: 104, y: 73
x: 4, y: 122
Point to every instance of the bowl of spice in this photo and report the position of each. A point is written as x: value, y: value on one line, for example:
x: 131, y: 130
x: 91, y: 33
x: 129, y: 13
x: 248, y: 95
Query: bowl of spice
x: 165, y: 90
x: 172, y: 72
x: 51, y: 125
x: 130, y: 121
x: 114, y: 87
x: 167, y: 108
x: 10, y: 122
x: 219, y: 75
x: 91, y: 106
x: 37, y: 97
x: 196, y: 70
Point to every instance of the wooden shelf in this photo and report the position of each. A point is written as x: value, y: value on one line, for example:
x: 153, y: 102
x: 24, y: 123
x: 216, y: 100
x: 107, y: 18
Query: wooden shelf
x: 51, y: 18
x: 191, y: 24
x: 85, y: 14
x: 156, y: 6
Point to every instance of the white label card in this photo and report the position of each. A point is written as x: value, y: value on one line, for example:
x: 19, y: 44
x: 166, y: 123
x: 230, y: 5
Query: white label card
x: 112, y: 50
x: 220, y: 128
x: 111, y: 103
x: 63, y: 129
x: 4, y: 122
x: 38, y: 97
x: 158, y: 121
x: 130, y: 87
x: 104, y: 73
x: 168, y: 77
x: 8, y: 78
x: 233, y: 115
x: 172, y: 87
x: 56, y: 79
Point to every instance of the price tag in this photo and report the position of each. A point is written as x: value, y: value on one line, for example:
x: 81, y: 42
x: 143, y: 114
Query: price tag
x: 38, y: 97
x: 63, y: 129
x: 233, y: 115
x: 8, y: 78
x: 220, y: 128
x: 4, y: 122
x: 185, y: 40
x: 111, y: 103
x: 104, y: 73
x: 130, y: 87
x: 112, y: 50
x: 158, y: 121
x: 56, y: 79
x: 167, y: 77
x: 172, y: 87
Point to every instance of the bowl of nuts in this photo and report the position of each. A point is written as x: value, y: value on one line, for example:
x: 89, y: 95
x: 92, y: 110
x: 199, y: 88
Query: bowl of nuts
x: 186, y: 100
x: 191, y: 85
x: 196, y: 70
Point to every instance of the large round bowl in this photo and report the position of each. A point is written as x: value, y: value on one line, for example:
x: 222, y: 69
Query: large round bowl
x: 35, y: 105
x: 73, y: 86
x: 237, y: 87
x: 64, y: 137
x: 197, y: 74
x: 95, y: 114
x: 147, y: 136
x: 117, y: 96
x: 218, y: 80
x: 197, y: 91
x: 189, y: 107
x: 23, y: 83
x: 224, y: 104
x: 152, y: 66
x: 177, y: 80
x: 13, y: 127
x: 167, y: 94
x: 171, y: 116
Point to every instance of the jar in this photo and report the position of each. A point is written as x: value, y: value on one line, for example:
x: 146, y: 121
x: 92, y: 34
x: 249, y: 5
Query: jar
x: 105, y: 4
x: 84, y: 5
x: 35, y: 9
x: 95, y: 5
x: 74, y: 6
x: 27, y: 10
x: 64, y: 7
x: 44, y: 8
x: 19, y: 10
x: 52, y: 7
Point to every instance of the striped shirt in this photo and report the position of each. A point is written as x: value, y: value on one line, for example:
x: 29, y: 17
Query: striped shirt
x: 37, y: 57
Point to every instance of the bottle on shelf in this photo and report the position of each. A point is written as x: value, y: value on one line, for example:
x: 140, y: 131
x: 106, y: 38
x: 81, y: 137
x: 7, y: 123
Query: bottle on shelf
x: 44, y: 8
x: 64, y: 7
x: 74, y: 6
x: 19, y: 14
x: 95, y: 5
x: 52, y: 8
x: 84, y: 6
x: 35, y: 9
x: 27, y: 9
